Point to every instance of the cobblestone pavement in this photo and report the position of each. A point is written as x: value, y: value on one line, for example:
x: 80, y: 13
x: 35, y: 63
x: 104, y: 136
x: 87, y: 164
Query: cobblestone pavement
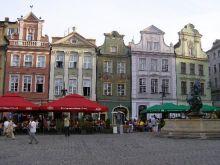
x: 112, y: 149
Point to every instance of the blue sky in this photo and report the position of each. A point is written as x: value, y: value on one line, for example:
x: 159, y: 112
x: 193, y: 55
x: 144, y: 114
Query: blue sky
x: 92, y: 18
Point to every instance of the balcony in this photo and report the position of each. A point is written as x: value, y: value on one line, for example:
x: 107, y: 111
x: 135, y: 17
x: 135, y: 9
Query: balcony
x: 28, y: 43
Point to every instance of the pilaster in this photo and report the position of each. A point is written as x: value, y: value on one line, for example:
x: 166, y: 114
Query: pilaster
x: 93, y: 76
x: 80, y: 72
x: 51, y: 86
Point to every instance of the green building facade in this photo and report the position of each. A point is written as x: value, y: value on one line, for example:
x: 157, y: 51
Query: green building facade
x: 114, y: 76
x: 191, y: 65
x: 7, y: 30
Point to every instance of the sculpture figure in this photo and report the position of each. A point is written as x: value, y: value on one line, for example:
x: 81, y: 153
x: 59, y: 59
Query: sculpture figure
x: 195, y: 100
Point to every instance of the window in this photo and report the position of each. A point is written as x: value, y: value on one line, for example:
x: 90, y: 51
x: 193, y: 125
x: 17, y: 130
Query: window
x: 60, y: 61
x: 27, y: 83
x: 201, y: 70
x: 41, y: 61
x: 107, y: 89
x: 30, y: 37
x: 202, y: 89
x: 219, y: 67
x: 218, y: 53
x: 14, y: 82
x: 15, y: 61
x: 165, y: 85
x: 121, y: 67
x: 73, y: 60
x: 214, y: 55
x: 113, y: 49
x: 183, y: 88
x: 142, y: 85
x: 107, y: 67
x: 121, y: 89
x: 156, y: 46
x: 73, y: 41
x: 191, y: 86
x: 87, y: 62
x: 58, y: 86
x: 192, y: 69
x: 154, y: 86
x: 72, y: 85
x: 39, y: 84
x: 149, y: 45
x: 28, y: 60
x: 142, y: 63
x: 215, y: 69
x: 210, y: 69
x: 164, y: 65
x: 154, y: 65
x: 183, y: 68
x: 86, y: 87
x: 11, y: 31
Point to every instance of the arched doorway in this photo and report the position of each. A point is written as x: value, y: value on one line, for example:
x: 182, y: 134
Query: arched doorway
x: 120, y: 113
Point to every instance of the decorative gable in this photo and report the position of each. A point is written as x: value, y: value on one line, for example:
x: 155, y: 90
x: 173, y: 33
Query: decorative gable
x: 31, y: 17
x: 74, y: 39
x: 152, y: 30
x: 189, y: 44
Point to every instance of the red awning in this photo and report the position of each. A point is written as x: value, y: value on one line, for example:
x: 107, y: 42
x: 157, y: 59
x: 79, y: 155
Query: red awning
x: 74, y: 103
x: 12, y: 103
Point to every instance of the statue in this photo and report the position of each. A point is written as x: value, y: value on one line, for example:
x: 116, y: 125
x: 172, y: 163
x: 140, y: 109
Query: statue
x: 195, y: 100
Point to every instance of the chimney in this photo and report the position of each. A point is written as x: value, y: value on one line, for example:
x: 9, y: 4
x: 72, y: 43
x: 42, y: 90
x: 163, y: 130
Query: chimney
x: 6, y: 19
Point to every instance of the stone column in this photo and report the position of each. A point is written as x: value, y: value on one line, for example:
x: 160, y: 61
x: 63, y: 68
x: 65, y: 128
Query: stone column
x: 39, y: 31
x: 21, y: 28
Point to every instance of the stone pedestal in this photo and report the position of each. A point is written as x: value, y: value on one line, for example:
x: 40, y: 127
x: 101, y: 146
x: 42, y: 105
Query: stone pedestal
x: 191, y: 128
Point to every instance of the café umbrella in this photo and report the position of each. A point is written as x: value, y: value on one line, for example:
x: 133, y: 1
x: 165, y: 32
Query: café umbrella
x: 74, y: 103
x: 14, y: 103
x: 166, y: 107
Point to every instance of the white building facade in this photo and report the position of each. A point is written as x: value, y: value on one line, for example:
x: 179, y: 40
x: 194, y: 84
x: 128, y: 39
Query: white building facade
x: 153, y: 71
x: 73, y: 66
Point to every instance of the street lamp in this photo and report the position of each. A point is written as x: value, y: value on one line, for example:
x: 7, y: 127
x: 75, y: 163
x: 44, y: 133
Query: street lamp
x: 163, y: 92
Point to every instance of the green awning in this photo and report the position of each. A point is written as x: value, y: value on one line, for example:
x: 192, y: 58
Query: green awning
x: 166, y: 107
x: 172, y: 108
x: 153, y: 109
x: 209, y: 108
x: 184, y: 107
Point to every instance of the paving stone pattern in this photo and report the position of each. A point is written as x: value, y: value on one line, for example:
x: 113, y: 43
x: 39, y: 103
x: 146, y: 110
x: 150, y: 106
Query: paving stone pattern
x: 108, y: 149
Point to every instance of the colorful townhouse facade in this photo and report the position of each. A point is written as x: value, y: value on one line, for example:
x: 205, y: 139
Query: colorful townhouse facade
x: 214, y: 71
x: 7, y: 29
x: 114, y: 75
x: 153, y: 71
x: 27, y: 60
x: 73, y: 66
x: 191, y: 65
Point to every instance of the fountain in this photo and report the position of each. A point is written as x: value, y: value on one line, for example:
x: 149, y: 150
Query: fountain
x: 195, y: 125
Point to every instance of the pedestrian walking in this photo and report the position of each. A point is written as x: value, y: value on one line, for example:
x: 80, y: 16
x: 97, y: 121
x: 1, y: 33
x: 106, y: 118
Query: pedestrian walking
x: 32, y: 131
x: 10, y: 129
x: 66, y: 126
x: 6, y: 122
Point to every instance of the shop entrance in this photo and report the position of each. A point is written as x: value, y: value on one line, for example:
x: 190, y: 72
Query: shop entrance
x: 120, y: 114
